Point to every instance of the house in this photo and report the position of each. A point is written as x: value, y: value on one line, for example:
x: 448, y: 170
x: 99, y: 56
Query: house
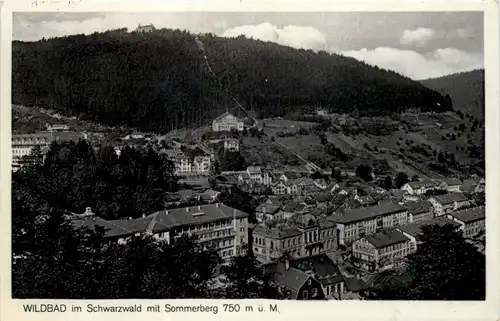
x: 209, y: 196
x: 422, y: 187
x: 324, y: 200
x: 355, y: 223
x: 471, y: 220
x: 188, y: 195
x: 414, y: 231
x: 332, y: 188
x: 364, y: 201
x: 355, y: 289
x: 420, y: 211
x: 453, y: 185
x: 145, y: 28
x: 381, y: 251
x: 255, y: 173
x: 473, y: 186
x: 231, y: 144
x: 191, y: 161
x: 279, y: 188
x: 57, y: 127
x: 217, y: 226
x: 291, y: 208
x: 265, y: 212
x: 323, y: 269
x: 320, y: 183
x: 447, y: 203
x: 290, y: 176
x: 296, y: 284
x: 227, y: 122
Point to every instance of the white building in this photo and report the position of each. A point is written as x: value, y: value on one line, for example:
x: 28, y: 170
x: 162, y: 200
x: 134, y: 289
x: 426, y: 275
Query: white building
x: 420, y: 188
x: 471, y: 220
x: 217, y: 226
x: 226, y: 122
x: 447, y: 203
x: 23, y: 145
x: 356, y: 223
x: 381, y: 251
x: 232, y: 144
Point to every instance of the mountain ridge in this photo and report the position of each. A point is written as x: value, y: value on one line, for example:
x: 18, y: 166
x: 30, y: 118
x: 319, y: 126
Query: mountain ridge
x: 158, y: 81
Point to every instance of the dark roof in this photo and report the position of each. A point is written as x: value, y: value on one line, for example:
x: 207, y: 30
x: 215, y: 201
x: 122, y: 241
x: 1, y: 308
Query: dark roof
x: 354, y: 284
x: 164, y: 220
x: 360, y: 214
x: 325, y: 270
x: 386, y: 238
x: 419, y: 207
x: 452, y: 181
x: 277, y: 233
x: 426, y: 183
x: 415, y: 229
x: 450, y: 198
x: 292, y: 279
x: 268, y: 208
x: 470, y: 214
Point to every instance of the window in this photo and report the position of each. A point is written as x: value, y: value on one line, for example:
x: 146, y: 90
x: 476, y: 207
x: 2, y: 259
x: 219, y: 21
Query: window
x: 314, y: 292
x: 305, y: 294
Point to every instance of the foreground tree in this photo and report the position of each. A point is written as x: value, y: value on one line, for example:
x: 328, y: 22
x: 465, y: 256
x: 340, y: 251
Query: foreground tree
x: 245, y: 279
x: 445, y: 267
x: 54, y: 259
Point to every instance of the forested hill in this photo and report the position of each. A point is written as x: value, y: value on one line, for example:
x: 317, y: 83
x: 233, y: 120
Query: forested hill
x: 466, y: 90
x: 157, y: 81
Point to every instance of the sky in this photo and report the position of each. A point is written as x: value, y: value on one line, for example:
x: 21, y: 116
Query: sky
x: 419, y: 45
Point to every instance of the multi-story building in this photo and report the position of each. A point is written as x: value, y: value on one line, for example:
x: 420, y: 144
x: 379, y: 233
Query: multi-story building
x: 23, y: 144
x: 413, y: 231
x: 447, y: 203
x: 453, y: 185
x: 422, y: 187
x: 471, y: 220
x: 217, y: 226
x: 420, y: 211
x: 145, y: 28
x: 381, y: 251
x: 56, y: 127
x: 294, y: 283
x: 232, y: 144
x: 191, y: 161
x: 310, y: 236
x: 226, y: 122
x: 356, y: 223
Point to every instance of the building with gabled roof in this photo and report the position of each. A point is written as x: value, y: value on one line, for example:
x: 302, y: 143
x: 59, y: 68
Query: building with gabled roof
x: 217, y: 226
x: 381, y: 251
x: 422, y: 187
x: 355, y: 223
x: 448, y: 203
x: 227, y: 122
x: 471, y: 220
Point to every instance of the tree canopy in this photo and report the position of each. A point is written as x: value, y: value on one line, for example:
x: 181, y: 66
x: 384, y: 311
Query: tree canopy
x: 104, y: 77
x: 445, y: 267
x: 74, y: 176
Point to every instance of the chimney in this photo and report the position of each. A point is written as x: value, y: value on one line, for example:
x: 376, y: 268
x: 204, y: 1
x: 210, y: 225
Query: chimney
x: 130, y: 218
x: 143, y: 215
x: 287, y: 264
x: 199, y: 207
x: 167, y: 212
x: 187, y: 209
x: 217, y: 205
x: 264, y: 209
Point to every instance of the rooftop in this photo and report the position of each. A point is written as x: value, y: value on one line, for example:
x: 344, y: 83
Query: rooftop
x: 415, y: 229
x: 419, y: 207
x: 450, y: 198
x: 453, y: 181
x: 470, y: 215
x: 277, y: 232
x: 360, y: 214
x: 425, y: 184
x: 386, y: 238
x: 163, y: 220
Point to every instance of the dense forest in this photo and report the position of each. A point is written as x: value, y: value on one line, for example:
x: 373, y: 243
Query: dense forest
x: 74, y: 176
x: 158, y: 81
x: 466, y: 90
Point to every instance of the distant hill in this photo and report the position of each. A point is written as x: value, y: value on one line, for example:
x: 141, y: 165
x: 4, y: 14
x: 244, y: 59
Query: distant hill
x: 158, y: 81
x: 466, y: 90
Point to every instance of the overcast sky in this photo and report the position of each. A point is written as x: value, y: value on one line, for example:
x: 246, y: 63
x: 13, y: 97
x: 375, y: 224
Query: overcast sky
x: 417, y: 45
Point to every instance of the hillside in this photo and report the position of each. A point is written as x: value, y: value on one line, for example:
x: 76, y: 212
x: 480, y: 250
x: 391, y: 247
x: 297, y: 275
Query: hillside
x: 158, y: 81
x: 465, y: 89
